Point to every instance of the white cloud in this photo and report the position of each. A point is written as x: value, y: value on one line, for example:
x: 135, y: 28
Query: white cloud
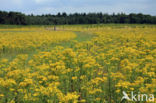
x: 39, y: 1
x: 17, y: 1
x: 72, y: 6
x: 42, y: 1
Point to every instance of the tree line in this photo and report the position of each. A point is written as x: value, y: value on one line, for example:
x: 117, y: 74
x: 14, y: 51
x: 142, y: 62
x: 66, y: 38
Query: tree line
x: 18, y: 18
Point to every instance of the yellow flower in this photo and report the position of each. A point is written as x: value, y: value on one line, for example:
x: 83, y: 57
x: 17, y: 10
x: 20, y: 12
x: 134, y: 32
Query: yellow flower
x: 1, y: 95
x: 98, y: 99
x: 74, y: 78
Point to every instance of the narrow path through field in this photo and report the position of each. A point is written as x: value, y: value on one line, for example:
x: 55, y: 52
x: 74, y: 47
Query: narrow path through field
x: 84, y: 36
x: 80, y: 37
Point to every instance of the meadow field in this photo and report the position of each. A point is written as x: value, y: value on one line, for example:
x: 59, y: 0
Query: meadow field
x: 77, y: 63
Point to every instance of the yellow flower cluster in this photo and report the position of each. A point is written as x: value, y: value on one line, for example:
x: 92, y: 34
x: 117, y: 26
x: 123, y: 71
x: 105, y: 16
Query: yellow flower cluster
x: 12, y: 41
x: 115, y: 60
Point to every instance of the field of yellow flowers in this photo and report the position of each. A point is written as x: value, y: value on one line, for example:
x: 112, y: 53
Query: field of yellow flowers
x: 116, y: 59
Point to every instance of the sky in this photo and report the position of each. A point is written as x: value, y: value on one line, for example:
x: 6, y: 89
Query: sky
x: 39, y: 7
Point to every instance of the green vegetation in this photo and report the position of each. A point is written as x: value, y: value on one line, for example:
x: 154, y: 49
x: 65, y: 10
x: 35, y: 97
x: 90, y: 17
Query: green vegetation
x: 17, y: 18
